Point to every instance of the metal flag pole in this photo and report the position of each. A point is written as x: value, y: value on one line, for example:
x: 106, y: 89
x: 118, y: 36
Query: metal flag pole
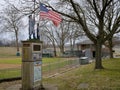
x: 38, y: 24
x: 34, y: 8
x: 34, y: 20
x: 39, y: 37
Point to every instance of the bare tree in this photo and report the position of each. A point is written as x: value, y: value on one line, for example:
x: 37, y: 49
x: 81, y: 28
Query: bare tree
x: 62, y: 35
x: 75, y: 32
x: 12, y: 22
x: 90, y: 12
x: 112, y: 23
x: 87, y: 13
x: 48, y: 32
x: 57, y: 36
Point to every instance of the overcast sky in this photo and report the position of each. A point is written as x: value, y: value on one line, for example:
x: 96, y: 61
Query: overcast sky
x: 7, y: 36
x: 1, y: 4
x: 10, y: 36
x: 16, y: 3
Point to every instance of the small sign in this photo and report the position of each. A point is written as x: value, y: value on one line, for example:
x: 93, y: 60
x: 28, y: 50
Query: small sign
x: 37, y: 56
x: 37, y: 71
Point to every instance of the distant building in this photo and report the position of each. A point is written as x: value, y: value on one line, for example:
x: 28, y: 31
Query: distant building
x: 85, y: 44
x: 88, y: 49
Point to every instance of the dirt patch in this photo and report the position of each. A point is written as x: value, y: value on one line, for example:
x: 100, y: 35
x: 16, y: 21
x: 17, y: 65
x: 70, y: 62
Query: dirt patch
x: 7, y: 66
x: 5, y: 85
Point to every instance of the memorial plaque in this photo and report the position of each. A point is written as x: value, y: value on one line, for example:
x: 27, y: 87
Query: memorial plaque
x: 36, y: 47
x: 37, y: 71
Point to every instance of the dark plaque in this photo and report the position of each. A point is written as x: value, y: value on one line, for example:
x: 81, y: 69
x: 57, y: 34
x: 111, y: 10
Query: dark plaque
x: 36, y: 47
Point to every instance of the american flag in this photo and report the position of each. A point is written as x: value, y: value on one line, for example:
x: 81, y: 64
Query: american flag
x: 49, y: 14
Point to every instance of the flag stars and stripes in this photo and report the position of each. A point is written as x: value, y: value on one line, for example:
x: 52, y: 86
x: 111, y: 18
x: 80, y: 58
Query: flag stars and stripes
x: 49, y: 14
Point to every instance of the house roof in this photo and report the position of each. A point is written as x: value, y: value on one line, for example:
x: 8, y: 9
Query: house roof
x: 86, y: 42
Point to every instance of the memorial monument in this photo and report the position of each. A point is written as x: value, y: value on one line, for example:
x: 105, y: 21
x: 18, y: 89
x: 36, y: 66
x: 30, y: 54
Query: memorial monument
x: 32, y: 59
x: 32, y: 65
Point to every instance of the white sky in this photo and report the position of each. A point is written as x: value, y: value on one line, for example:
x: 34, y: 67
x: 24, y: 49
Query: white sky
x: 16, y: 3
x: 1, y: 4
x: 11, y: 35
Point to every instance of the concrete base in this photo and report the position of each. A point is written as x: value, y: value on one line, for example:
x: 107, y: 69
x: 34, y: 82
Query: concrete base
x: 46, y: 87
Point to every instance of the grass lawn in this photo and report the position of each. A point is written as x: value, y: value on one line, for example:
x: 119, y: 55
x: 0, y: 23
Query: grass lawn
x: 10, y: 73
x: 8, y: 51
x: 106, y: 79
x: 18, y: 60
x: 50, y: 60
x: 56, y: 65
x: 11, y: 60
x: 15, y: 72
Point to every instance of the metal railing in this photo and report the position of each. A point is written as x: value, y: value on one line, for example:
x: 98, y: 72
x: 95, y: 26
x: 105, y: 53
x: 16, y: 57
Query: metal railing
x: 48, y: 70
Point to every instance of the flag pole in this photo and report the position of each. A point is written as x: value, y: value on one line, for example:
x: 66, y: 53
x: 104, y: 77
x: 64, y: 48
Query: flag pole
x: 39, y: 37
x: 34, y: 8
x: 38, y: 24
x: 34, y: 20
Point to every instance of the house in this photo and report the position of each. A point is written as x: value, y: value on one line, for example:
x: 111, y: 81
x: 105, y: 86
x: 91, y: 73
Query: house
x: 85, y: 44
x: 88, y: 48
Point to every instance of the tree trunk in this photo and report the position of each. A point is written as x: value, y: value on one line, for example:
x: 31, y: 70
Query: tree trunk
x: 17, y: 45
x: 98, y: 61
x: 110, y: 48
x: 71, y: 45
x: 54, y: 50
x: 62, y: 48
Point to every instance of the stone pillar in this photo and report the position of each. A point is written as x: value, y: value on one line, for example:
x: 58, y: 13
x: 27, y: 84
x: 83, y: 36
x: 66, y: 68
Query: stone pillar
x: 31, y: 65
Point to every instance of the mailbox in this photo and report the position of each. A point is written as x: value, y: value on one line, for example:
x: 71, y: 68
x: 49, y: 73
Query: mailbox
x: 31, y: 65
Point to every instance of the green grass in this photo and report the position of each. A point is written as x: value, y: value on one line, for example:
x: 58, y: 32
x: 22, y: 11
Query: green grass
x: 18, y: 60
x: 10, y: 73
x: 8, y: 56
x: 50, y: 60
x: 54, y: 66
x: 50, y: 65
x: 15, y: 60
x: 8, y: 51
x: 106, y: 79
x: 58, y: 65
